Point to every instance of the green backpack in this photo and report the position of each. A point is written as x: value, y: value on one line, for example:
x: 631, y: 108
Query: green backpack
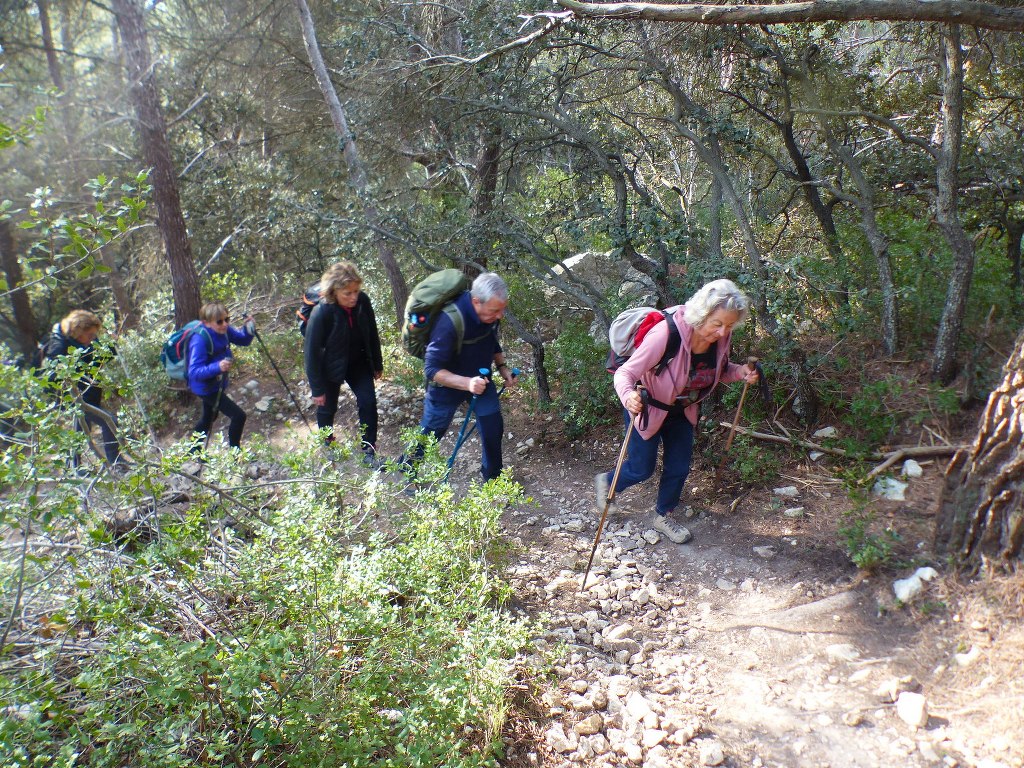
x: 429, y: 298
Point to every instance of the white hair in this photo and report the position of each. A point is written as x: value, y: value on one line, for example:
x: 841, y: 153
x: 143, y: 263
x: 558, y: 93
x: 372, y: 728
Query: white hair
x: 718, y: 294
x: 487, y: 286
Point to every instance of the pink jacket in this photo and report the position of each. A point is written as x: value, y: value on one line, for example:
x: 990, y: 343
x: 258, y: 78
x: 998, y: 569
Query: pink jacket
x: 672, y: 381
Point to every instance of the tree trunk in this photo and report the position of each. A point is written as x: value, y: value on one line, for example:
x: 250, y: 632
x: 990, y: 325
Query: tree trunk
x: 51, y: 54
x: 157, y: 152
x: 715, y: 226
x: 946, y: 212
x: 981, y: 510
x: 1014, y: 233
x: 540, y: 373
x: 20, y: 304
x: 357, y: 174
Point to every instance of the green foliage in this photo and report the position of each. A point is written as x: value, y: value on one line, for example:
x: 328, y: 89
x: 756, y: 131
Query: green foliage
x: 586, y: 397
x: 331, y: 621
x: 755, y: 464
x: 872, y: 414
x: 867, y: 549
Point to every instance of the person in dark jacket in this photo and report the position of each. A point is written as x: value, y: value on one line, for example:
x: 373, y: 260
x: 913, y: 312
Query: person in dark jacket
x: 342, y: 344
x: 209, y: 360
x: 452, y: 366
x: 79, y: 330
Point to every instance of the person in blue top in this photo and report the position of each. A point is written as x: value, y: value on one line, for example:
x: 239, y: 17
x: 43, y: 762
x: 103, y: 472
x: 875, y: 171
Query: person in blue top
x: 209, y: 360
x: 453, y: 371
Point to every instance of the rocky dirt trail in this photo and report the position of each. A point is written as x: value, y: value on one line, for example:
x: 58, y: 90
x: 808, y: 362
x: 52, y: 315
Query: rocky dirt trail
x: 757, y: 644
x: 741, y: 648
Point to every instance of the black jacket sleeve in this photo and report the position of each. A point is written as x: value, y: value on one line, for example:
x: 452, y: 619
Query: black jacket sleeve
x: 373, y: 348
x: 317, y: 330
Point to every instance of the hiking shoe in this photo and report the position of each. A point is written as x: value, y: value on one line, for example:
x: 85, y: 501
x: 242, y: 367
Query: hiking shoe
x: 675, y: 532
x: 374, y: 462
x: 601, y: 494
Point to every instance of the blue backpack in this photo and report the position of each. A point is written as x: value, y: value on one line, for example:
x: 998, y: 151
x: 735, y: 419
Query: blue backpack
x: 174, y: 354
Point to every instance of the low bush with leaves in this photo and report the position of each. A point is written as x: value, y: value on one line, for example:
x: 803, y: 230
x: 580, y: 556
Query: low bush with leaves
x: 586, y: 398
x: 318, y: 615
x: 866, y: 547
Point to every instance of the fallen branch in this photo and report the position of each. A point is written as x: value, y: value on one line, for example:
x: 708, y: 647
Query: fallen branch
x: 888, y: 458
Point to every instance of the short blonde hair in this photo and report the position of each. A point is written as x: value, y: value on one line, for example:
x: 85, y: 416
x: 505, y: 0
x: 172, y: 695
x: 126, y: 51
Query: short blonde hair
x: 79, y: 320
x: 337, y: 277
x: 212, y: 311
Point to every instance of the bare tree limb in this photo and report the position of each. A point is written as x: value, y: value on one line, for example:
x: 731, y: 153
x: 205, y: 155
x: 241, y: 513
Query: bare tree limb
x: 975, y: 14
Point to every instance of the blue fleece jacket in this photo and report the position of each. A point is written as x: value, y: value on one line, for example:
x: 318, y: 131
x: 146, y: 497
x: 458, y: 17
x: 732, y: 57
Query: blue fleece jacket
x: 204, y: 365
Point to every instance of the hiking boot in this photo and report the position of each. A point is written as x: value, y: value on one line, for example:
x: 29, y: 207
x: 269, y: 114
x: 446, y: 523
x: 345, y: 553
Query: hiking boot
x: 374, y: 462
x: 601, y: 494
x: 675, y: 532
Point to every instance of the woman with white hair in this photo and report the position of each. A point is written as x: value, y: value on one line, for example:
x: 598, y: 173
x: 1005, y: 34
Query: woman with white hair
x: 666, y: 402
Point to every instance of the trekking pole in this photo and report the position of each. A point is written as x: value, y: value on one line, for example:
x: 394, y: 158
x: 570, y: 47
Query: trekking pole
x: 515, y: 372
x: 283, y: 382
x: 609, y: 498
x: 752, y: 362
x: 485, y: 372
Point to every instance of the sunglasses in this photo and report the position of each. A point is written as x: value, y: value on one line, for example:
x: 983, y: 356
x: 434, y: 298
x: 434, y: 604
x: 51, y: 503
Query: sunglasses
x: 223, y: 320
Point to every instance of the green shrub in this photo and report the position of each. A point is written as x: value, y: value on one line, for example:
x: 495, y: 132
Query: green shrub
x: 755, y: 464
x: 866, y: 549
x: 321, y: 618
x: 585, y: 398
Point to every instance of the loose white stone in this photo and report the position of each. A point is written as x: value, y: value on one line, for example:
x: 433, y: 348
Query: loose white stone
x: 658, y: 758
x: 766, y: 552
x: 651, y: 536
x: 966, y: 659
x: 912, y: 469
x: 637, y: 706
x: 652, y: 737
x: 633, y: 752
x: 787, y: 491
x: 912, y: 709
x: 578, y: 703
x: 558, y: 740
x: 815, y: 455
x: 725, y: 584
x: 793, y: 512
x: 711, y: 753
x: 842, y: 652
x: 889, y: 488
x: 825, y: 432
x: 590, y: 725
x: 909, y: 588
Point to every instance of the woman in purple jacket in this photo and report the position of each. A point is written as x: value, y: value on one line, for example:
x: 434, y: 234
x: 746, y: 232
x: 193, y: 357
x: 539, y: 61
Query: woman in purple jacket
x: 209, y: 360
x: 672, y: 397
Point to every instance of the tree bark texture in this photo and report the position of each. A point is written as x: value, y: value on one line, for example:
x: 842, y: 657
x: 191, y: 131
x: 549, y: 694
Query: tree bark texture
x: 976, y: 14
x: 24, y: 320
x: 946, y: 211
x: 981, y: 509
x: 157, y: 153
x: 357, y: 173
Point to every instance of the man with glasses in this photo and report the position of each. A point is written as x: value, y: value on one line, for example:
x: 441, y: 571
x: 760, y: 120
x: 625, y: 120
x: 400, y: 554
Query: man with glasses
x: 209, y: 360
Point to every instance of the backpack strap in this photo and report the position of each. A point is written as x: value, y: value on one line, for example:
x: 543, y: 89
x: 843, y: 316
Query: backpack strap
x: 671, y: 345
x: 455, y: 315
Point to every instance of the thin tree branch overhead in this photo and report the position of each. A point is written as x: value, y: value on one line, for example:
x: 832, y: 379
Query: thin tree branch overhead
x: 987, y: 15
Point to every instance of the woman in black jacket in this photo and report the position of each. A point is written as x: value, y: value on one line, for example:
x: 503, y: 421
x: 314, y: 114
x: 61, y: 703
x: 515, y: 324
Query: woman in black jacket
x: 342, y: 345
x: 78, y: 331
